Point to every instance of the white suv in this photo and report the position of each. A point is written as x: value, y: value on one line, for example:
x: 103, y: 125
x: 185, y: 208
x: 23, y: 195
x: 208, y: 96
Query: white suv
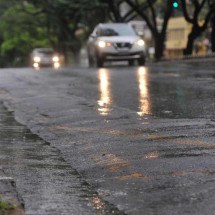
x: 115, y: 42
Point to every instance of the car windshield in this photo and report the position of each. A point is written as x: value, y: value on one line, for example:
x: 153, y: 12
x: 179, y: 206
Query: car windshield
x: 46, y: 51
x: 118, y: 30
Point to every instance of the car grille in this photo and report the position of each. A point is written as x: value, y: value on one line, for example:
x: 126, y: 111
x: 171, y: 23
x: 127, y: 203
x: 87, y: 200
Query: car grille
x: 122, y: 45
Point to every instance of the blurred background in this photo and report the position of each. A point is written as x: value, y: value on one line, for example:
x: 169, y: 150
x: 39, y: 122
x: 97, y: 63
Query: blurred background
x: 172, y: 29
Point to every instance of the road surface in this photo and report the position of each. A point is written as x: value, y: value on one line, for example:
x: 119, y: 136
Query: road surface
x: 121, y: 140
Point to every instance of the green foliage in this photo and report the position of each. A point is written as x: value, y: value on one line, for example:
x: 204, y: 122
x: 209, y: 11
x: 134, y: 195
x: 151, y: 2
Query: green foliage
x: 65, y: 24
x: 21, y: 32
x: 5, y: 207
x: 62, y: 24
x: 66, y: 19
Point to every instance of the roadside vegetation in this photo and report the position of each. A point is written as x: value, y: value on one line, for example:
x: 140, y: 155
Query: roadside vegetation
x: 6, y: 208
x: 65, y: 25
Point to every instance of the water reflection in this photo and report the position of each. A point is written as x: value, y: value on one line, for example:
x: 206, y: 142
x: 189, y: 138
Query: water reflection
x: 97, y: 203
x: 144, y: 99
x: 152, y: 155
x: 152, y: 91
x: 105, y: 95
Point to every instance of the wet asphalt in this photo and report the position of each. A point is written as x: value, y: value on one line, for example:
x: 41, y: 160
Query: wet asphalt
x: 130, y: 140
x: 47, y: 184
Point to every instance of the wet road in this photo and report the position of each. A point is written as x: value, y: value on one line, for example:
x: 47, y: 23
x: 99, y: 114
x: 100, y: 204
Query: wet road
x: 47, y: 184
x: 185, y: 91
x: 142, y: 138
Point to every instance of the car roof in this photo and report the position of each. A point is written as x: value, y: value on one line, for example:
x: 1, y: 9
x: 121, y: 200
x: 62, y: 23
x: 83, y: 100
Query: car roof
x: 42, y: 49
x: 113, y: 24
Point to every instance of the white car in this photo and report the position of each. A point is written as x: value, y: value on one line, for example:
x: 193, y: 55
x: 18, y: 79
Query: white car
x: 115, y: 42
x: 45, y: 57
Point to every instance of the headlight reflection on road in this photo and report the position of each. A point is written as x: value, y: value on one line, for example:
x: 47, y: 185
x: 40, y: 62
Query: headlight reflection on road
x: 56, y: 65
x: 97, y: 203
x: 36, y: 66
x: 144, y: 99
x: 105, y: 97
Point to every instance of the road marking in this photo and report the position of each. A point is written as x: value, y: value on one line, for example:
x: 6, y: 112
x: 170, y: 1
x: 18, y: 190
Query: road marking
x: 2, y: 178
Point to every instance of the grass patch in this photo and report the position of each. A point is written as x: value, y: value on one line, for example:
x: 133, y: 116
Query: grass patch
x: 5, y: 207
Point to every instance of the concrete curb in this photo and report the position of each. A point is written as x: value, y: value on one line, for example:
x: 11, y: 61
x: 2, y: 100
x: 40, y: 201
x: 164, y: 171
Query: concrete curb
x: 192, y: 58
x: 9, y: 196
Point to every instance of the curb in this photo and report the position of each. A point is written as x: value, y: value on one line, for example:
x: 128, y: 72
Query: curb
x: 10, y: 202
x: 188, y: 58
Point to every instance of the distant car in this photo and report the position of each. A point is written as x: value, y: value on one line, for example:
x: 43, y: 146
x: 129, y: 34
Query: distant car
x: 115, y: 42
x: 45, y: 57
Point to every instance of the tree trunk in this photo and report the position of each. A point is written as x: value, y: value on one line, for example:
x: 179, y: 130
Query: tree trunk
x: 213, y: 34
x: 76, y: 57
x: 65, y: 56
x: 190, y: 42
x: 159, y: 46
x: 196, y: 32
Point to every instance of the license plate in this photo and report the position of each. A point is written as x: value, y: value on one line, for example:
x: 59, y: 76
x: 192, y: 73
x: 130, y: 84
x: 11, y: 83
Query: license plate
x: 46, y: 60
x: 123, y: 52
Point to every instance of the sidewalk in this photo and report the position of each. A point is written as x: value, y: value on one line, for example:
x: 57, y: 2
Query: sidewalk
x: 10, y: 202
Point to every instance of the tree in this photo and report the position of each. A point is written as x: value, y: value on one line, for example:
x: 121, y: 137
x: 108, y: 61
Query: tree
x: 70, y: 21
x: 213, y: 33
x: 116, y: 12
x: 21, y: 32
x: 198, y: 13
x: 150, y: 11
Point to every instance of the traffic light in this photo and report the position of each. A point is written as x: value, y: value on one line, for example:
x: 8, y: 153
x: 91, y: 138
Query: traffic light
x: 175, y: 4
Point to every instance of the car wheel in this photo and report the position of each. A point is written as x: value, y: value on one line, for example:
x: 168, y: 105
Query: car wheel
x: 99, y: 61
x: 131, y: 62
x: 141, y: 61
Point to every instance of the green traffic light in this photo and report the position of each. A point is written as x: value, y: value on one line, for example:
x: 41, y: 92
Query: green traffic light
x: 175, y: 4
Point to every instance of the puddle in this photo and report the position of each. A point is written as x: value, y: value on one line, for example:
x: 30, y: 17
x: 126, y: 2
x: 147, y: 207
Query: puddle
x: 47, y: 184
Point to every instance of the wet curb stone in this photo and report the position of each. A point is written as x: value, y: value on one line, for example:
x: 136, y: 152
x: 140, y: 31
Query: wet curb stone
x: 10, y: 196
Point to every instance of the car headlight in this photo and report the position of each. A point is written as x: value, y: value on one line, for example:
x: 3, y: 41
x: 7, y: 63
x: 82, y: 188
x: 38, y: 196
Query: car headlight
x: 55, y: 59
x: 103, y: 44
x: 37, y: 59
x: 140, y: 42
